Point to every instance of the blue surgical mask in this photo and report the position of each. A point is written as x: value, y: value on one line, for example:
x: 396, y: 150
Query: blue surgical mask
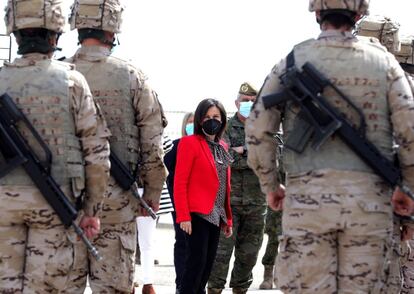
x: 245, y: 108
x: 189, y: 129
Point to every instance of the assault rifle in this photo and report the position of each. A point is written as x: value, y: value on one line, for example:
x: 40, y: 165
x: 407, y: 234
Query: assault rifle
x: 17, y: 153
x: 318, y: 120
x: 127, y: 181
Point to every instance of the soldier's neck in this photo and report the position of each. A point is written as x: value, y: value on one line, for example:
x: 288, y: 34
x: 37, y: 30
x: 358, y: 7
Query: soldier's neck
x: 327, y: 26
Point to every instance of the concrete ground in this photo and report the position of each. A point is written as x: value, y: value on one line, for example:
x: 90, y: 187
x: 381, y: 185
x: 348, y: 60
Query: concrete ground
x: 164, y: 271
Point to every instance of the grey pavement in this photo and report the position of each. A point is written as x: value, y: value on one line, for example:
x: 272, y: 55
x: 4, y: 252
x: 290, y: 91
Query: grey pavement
x: 164, y: 271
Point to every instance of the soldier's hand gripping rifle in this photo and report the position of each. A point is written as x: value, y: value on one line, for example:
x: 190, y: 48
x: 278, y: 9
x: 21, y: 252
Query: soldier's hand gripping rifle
x: 17, y: 152
x: 127, y: 181
x: 318, y: 120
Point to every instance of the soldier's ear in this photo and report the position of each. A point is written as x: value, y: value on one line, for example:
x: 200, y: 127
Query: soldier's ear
x: 318, y: 16
x: 237, y: 103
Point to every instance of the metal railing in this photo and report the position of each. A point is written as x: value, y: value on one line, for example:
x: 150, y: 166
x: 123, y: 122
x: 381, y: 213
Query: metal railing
x: 5, y: 48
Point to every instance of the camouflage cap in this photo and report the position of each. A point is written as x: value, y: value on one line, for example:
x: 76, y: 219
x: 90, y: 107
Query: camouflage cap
x: 406, y: 54
x: 23, y: 14
x: 247, y: 89
x: 358, y: 6
x: 103, y: 15
x: 382, y: 28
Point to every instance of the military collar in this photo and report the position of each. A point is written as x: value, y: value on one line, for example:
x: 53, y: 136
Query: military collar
x: 335, y: 34
x: 237, y: 122
x: 28, y: 59
x: 92, y: 53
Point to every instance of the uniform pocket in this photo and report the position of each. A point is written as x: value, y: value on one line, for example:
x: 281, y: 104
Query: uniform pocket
x: 59, y: 265
x: 116, y: 269
x: 127, y: 262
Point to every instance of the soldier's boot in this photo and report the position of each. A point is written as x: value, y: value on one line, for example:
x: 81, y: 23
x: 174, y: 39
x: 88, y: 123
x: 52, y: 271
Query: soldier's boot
x: 267, y: 278
x: 214, y: 290
x: 239, y: 291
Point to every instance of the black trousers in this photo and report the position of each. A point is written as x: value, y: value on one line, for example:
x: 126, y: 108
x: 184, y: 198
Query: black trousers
x: 179, y: 252
x: 201, y: 247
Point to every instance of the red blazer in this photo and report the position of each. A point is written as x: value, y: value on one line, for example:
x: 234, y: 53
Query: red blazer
x: 196, y: 181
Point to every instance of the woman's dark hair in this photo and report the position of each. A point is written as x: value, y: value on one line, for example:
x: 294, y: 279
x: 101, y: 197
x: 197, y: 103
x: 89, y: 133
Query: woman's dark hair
x: 338, y: 17
x: 201, y: 112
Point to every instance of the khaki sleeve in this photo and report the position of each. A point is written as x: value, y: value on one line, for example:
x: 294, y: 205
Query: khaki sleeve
x: 150, y: 123
x: 93, y: 134
x: 261, y: 128
x: 400, y: 99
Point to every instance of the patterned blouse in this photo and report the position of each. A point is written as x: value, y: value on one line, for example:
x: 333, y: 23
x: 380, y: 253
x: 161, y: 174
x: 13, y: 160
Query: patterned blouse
x: 222, y: 160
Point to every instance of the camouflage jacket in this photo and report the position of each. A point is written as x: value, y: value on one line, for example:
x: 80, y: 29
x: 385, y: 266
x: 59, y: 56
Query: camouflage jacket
x: 33, y: 70
x: 148, y: 120
x: 245, y: 187
x: 263, y: 124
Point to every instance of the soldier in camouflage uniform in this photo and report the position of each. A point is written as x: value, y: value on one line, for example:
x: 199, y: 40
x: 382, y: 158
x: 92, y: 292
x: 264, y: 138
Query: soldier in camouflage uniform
x: 337, y: 214
x: 273, y: 228
x: 136, y: 121
x: 406, y: 58
x: 248, y: 207
x: 387, y: 32
x: 36, y: 251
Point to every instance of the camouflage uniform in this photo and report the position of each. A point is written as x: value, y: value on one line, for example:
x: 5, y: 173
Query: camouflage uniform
x: 135, y: 118
x: 36, y: 251
x: 248, y: 208
x: 273, y: 229
x: 406, y: 59
x: 337, y: 217
x: 387, y: 32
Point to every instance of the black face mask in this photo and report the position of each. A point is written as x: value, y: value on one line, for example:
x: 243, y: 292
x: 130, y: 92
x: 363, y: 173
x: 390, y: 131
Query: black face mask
x: 211, y: 126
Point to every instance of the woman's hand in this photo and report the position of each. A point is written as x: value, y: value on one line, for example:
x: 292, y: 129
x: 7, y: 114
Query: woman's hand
x: 186, y: 227
x: 228, y: 231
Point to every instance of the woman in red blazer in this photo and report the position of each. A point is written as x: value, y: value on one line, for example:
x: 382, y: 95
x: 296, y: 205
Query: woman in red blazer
x: 202, y: 193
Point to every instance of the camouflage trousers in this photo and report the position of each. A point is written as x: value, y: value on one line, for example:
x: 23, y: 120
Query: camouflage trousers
x: 248, y: 224
x: 408, y: 268
x: 115, y: 272
x: 36, y: 252
x: 336, y: 235
x: 396, y: 256
x: 273, y: 228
